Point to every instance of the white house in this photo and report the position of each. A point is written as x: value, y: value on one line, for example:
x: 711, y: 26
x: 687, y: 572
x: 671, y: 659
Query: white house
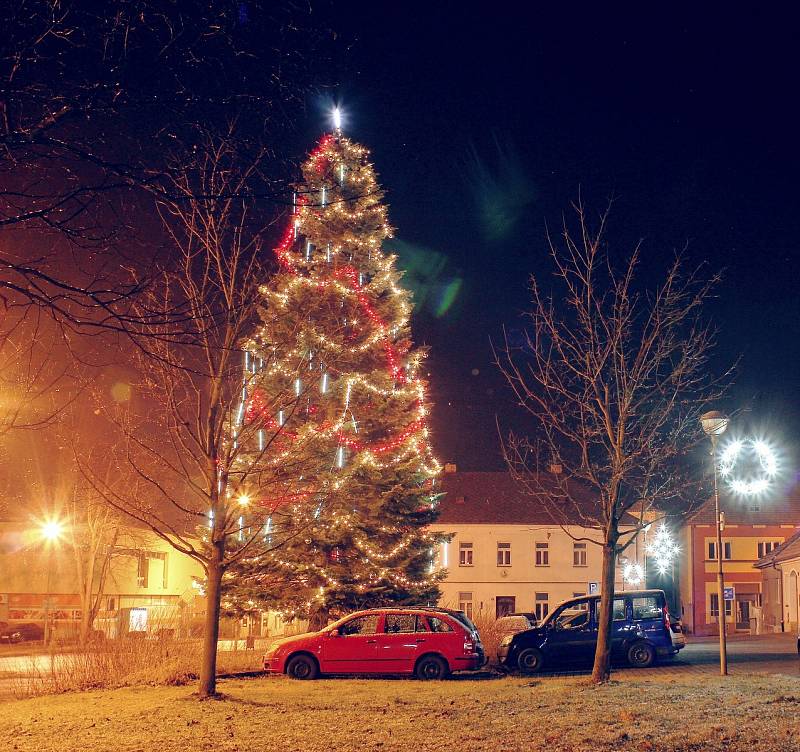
x: 780, y: 572
x: 508, y: 555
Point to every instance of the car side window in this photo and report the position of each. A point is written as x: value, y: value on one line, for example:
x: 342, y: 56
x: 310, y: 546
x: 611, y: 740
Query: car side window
x: 398, y: 623
x: 618, y: 611
x: 646, y: 607
x: 439, y: 625
x: 361, y: 625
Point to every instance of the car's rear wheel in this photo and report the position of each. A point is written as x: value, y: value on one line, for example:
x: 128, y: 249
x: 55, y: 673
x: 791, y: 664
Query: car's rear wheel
x: 641, y: 654
x: 530, y: 661
x: 302, y: 667
x: 432, y: 668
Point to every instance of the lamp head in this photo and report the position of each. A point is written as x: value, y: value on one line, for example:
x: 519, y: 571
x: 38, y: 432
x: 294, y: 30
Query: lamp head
x: 714, y: 423
x: 52, y: 530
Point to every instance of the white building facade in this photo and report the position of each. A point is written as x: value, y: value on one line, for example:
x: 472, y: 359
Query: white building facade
x: 506, y: 554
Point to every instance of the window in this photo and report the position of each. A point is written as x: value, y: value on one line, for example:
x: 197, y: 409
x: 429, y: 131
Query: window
x: 541, y: 605
x: 578, y: 595
x: 142, y: 570
x: 646, y: 608
x: 505, y: 605
x: 465, y: 603
x: 465, y: 555
x: 542, y: 554
x: 503, y: 554
x: 714, y: 611
x: 440, y: 625
x: 361, y: 625
x: 158, y: 561
x: 766, y: 547
x: 398, y: 623
x: 579, y: 554
x: 726, y: 550
x: 618, y: 609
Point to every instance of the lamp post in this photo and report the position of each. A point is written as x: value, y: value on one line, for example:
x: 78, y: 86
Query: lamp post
x: 714, y: 424
x: 51, y: 532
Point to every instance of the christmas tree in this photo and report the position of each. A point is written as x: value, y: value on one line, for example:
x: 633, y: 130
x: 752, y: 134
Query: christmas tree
x: 359, y: 391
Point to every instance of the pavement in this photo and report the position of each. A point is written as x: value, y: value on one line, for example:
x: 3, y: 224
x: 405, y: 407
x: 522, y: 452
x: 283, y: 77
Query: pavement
x: 763, y: 654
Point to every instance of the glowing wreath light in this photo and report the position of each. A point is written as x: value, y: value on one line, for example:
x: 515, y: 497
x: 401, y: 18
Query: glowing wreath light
x: 337, y: 118
x: 749, y: 466
x: 633, y: 574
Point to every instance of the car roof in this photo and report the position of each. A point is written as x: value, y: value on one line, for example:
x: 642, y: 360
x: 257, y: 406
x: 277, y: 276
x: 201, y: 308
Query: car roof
x: 617, y: 594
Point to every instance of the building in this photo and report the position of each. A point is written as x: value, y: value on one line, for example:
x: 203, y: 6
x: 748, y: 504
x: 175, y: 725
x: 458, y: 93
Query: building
x: 780, y: 571
x: 507, y: 554
x: 753, y: 528
x: 149, y: 585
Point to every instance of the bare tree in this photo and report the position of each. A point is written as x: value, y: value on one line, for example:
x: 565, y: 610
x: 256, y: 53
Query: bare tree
x: 614, y: 378
x: 218, y: 475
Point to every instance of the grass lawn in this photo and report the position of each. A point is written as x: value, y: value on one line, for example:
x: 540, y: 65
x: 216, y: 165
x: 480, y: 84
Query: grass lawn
x: 739, y: 713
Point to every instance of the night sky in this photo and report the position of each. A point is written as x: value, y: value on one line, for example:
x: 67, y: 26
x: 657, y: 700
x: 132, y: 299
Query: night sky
x: 485, y: 124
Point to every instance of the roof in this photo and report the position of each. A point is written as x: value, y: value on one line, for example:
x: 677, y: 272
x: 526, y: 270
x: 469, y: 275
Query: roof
x: 789, y: 549
x: 496, y: 498
x: 781, y: 509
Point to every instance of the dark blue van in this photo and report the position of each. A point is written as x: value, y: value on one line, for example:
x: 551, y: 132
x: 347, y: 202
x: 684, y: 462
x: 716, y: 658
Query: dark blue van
x: 640, y: 633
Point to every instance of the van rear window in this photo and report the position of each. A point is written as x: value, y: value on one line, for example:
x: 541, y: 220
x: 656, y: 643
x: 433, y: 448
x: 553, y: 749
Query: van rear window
x: 646, y: 607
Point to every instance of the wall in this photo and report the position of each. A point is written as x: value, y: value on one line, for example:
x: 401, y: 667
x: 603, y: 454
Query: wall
x: 700, y: 580
x: 522, y: 579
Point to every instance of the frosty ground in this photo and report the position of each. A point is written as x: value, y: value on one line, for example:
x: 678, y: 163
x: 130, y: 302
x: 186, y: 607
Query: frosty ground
x: 738, y: 713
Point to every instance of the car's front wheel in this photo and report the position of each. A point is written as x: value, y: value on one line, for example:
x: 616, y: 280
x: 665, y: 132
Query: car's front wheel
x: 530, y: 661
x: 302, y: 667
x: 641, y: 654
x: 431, y: 667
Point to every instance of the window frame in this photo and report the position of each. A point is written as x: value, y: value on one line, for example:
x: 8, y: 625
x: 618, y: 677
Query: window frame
x: 541, y: 554
x: 580, y: 554
x: 541, y: 606
x: 503, y: 553
x: 466, y: 547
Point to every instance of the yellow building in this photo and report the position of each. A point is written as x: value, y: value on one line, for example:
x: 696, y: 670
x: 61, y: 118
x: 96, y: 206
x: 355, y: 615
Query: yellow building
x: 508, y: 555
x: 148, y: 586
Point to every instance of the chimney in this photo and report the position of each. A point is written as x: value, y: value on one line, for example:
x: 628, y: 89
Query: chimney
x: 450, y: 467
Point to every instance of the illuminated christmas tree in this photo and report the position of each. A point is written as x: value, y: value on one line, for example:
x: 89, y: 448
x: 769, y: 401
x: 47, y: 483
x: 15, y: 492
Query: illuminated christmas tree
x: 360, y: 404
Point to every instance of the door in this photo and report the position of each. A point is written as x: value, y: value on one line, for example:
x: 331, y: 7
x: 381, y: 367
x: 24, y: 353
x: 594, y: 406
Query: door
x: 572, y: 634
x: 742, y: 612
x: 353, y: 647
x: 402, y: 640
x: 505, y: 605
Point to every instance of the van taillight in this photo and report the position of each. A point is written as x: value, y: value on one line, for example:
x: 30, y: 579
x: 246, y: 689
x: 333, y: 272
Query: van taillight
x: 666, y: 619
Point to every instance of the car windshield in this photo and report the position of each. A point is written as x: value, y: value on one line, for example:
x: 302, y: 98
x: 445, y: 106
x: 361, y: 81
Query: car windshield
x: 566, y: 613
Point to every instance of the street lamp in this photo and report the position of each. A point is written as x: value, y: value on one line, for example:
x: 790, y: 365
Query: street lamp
x: 714, y: 424
x: 51, y: 531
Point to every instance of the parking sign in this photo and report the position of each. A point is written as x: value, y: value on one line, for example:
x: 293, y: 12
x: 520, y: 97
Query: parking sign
x: 729, y: 594
x: 594, y: 587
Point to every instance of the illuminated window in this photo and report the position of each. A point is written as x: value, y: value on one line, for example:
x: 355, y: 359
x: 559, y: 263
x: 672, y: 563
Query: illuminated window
x: 465, y: 555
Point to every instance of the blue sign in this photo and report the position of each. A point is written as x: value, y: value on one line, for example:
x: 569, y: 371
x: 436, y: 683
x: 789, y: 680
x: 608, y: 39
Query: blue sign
x: 729, y: 594
x: 594, y: 587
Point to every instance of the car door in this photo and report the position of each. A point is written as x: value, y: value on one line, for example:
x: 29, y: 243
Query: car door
x: 352, y: 648
x: 621, y: 627
x: 401, y: 641
x: 572, y: 633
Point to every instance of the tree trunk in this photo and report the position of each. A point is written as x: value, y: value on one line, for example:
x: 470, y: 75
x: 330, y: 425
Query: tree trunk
x: 602, y: 656
x: 318, y: 620
x: 208, y: 668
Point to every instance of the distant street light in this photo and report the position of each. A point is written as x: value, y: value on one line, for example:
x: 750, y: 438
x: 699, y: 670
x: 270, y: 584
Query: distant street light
x: 714, y: 424
x: 51, y: 531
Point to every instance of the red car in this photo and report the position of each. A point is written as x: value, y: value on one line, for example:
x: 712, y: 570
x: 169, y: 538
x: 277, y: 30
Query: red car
x: 426, y: 642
